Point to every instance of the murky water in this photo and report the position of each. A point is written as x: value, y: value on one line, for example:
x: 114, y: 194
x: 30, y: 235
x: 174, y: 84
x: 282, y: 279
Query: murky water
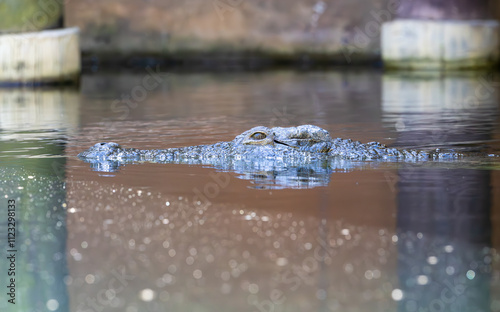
x: 368, y: 236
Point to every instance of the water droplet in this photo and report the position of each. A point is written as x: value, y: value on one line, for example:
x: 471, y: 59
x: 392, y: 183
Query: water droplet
x: 210, y: 258
x: 253, y: 288
x: 167, y: 279
x: 321, y: 294
x: 90, y: 279
x: 369, y: 275
x: 197, y: 274
x: 147, y: 294
x: 397, y: 294
x: 233, y: 264
x: 281, y: 261
x: 52, y: 305
x: 348, y: 268
x: 450, y: 270
x: 422, y: 280
x: 470, y: 274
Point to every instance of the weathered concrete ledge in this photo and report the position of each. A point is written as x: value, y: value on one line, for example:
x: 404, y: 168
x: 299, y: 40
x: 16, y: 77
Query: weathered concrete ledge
x: 48, y: 56
x: 440, y: 45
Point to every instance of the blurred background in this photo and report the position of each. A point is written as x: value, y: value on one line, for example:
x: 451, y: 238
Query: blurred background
x: 340, y: 31
x: 352, y: 236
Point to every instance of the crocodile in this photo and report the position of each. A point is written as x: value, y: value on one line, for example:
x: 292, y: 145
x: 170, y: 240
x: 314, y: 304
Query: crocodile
x: 292, y: 144
x: 294, y: 156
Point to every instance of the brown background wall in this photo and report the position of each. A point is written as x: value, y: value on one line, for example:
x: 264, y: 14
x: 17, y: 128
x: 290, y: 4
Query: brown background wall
x: 346, y: 29
x: 158, y: 26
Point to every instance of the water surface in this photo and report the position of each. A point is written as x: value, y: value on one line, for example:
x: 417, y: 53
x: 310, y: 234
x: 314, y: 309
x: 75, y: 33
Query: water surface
x: 155, y: 237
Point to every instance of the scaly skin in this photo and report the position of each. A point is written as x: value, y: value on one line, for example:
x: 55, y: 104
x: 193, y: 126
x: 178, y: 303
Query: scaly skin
x: 290, y: 145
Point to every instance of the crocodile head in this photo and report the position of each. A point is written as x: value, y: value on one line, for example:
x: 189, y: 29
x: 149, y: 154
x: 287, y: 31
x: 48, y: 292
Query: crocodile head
x: 305, y: 138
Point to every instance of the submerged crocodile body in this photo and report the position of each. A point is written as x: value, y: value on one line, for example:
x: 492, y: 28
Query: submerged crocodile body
x: 302, y: 156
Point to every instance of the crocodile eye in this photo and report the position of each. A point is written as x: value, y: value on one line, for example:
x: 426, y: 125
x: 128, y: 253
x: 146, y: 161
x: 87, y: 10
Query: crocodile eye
x: 258, y: 136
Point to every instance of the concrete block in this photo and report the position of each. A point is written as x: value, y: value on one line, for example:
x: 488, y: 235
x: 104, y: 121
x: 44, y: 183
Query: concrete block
x: 40, y: 57
x: 440, y: 45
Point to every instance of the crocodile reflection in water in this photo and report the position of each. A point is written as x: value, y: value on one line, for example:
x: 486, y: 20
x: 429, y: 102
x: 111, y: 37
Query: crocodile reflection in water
x: 302, y: 156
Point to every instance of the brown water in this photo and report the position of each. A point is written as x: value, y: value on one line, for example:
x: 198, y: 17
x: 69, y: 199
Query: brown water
x: 170, y: 237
